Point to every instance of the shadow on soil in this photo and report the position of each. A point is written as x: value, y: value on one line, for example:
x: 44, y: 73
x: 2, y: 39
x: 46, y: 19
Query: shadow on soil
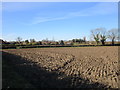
x: 38, y: 77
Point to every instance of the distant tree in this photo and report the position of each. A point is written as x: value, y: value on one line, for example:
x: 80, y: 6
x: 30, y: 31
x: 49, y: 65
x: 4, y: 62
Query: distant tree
x: 61, y: 42
x: 81, y: 40
x: 77, y: 40
x: 84, y: 39
x: 73, y: 40
x: 19, y: 39
x: 113, y: 35
x: 47, y: 40
x: 40, y: 43
x: 57, y: 43
x: 32, y: 40
x: 27, y: 41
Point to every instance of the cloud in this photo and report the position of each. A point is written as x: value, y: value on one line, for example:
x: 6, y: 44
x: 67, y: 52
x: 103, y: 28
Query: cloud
x: 97, y: 9
x: 46, y: 19
x: 38, y: 20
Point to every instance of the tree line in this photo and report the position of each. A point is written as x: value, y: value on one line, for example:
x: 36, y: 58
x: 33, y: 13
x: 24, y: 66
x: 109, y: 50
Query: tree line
x: 99, y: 35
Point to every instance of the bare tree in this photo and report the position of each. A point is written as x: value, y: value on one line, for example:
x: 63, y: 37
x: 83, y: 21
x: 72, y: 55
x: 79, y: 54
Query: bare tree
x: 95, y: 34
x: 113, y: 35
x: 99, y: 34
x: 32, y: 40
x: 19, y: 39
x: 84, y: 39
x: 103, y: 35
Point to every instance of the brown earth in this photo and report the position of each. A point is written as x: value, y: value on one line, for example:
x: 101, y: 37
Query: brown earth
x: 78, y: 67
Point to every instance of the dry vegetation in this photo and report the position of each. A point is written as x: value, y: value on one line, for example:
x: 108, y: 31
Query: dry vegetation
x: 80, y: 67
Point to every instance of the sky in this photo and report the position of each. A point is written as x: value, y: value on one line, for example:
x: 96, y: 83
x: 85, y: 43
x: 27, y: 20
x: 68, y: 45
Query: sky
x: 56, y: 20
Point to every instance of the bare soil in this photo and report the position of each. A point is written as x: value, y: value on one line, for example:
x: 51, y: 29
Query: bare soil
x: 78, y: 67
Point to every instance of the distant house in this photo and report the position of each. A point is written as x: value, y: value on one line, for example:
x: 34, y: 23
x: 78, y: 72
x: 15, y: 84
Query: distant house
x: 44, y: 42
x: 68, y: 42
x: 52, y: 42
x: 24, y: 43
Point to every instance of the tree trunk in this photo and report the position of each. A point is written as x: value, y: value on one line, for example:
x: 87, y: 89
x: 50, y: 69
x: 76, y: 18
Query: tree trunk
x: 112, y: 41
x: 103, y: 42
x: 97, y: 42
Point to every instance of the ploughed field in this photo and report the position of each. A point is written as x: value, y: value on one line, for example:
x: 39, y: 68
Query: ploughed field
x: 74, y: 67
